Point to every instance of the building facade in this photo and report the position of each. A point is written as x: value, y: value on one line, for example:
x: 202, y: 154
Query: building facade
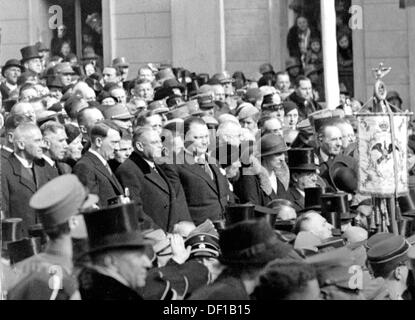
x: 212, y: 35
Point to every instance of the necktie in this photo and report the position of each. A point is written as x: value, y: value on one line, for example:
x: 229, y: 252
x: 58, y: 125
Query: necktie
x: 207, y: 169
x: 108, y: 168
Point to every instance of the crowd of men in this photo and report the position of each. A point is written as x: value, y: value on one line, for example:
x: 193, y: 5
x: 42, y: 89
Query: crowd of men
x: 172, y: 185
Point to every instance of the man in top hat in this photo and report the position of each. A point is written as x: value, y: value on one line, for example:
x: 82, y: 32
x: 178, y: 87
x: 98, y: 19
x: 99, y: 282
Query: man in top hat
x: 118, y: 252
x: 11, y: 71
x: 22, y: 176
x: 303, y: 98
x: 31, y: 59
x: 48, y: 275
x: 164, y: 203
x: 206, y: 189
x: 93, y: 169
x: 389, y: 259
x: 303, y: 174
x: 246, y: 248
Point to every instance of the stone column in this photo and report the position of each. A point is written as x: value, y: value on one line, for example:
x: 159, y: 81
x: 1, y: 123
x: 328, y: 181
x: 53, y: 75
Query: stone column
x: 331, y: 76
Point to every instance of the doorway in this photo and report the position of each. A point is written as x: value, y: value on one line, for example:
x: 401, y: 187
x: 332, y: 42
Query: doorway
x: 310, y: 10
x: 83, y: 27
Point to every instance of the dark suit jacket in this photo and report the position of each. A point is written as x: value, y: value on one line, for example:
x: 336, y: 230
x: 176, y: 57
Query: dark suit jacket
x: 96, y: 287
x: 165, y: 205
x: 93, y: 174
x: 296, y: 198
x: 206, y: 199
x: 58, y: 170
x: 248, y: 189
x: 17, y: 189
x: 304, y: 109
x: 5, y: 91
x: 224, y: 288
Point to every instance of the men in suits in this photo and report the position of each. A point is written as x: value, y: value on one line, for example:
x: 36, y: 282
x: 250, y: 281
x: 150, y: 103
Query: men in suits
x: 206, y: 189
x: 93, y: 169
x: 55, y: 137
x: 303, y: 98
x: 148, y: 183
x: 303, y: 174
x: 11, y: 71
x: 21, y: 176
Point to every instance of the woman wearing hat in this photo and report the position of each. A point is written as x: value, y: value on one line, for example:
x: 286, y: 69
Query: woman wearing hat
x: 261, y: 183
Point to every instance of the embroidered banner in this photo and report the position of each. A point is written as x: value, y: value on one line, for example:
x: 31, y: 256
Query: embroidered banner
x: 377, y: 165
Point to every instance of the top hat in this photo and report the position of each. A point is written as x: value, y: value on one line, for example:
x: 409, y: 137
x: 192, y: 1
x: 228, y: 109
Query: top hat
x: 120, y: 62
x: 12, y: 63
x: 11, y: 230
x: 115, y: 227
x: 23, y: 249
x: 251, y: 242
x: 338, y: 203
x: 203, y: 245
x: 29, y: 52
x: 273, y: 144
x: 302, y: 160
x: 238, y: 213
x: 407, y: 204
x: 312, y: 199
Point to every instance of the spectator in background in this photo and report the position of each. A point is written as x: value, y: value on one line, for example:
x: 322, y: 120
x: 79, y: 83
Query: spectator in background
x: 299, y: 38
x: 283, y: 84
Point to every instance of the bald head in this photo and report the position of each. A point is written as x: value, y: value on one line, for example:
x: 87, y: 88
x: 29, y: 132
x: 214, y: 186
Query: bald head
x: 24, y: 109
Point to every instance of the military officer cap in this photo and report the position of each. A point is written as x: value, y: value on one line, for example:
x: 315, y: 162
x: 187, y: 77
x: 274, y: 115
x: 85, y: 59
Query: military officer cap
x: 60, y: 199
x: 203, y: 245
x: 375, y: 239
x: 387, y: 255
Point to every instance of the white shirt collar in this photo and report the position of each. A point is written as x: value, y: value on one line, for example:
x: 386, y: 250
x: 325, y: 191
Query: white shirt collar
x: 274, y: 183
x: 150, y: 163
x: 49, y: 160
x: 25, y: 163
x: 104, y: 162
x: 7, y: 149
x: 324, y: 156
x: 11, y: 87
x: 301, y: 192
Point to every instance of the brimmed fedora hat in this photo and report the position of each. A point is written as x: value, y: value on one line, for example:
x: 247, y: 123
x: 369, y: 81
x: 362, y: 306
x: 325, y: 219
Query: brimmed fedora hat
x: 12, y: 63
x: 117, y: 112
x: 273, y: 144
x: 120, y: 62
x: 343, y: 174
x: 302, y: 160
x: 115, y: 227
x: 251, y: 243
